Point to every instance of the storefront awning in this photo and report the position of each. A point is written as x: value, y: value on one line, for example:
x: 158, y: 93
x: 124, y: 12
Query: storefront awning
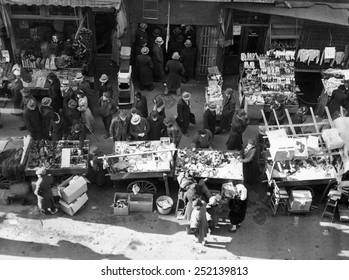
x: 316, y: 12
x: 73, y: 3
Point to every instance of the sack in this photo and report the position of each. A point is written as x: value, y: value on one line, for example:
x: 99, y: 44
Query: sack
x: 192, y: 118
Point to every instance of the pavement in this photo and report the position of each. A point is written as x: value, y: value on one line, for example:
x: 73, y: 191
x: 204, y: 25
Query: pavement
x: 96, y: 233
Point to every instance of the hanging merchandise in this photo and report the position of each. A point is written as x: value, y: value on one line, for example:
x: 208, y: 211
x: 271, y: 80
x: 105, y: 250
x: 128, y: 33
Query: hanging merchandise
x: 330, y: 53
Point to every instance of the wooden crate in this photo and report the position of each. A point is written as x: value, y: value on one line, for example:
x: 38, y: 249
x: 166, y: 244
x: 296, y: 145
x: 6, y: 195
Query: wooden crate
x: 120, y: 211
x: 141, y: 202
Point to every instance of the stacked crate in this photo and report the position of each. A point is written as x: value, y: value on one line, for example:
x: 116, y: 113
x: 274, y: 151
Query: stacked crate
x: 125, y: 85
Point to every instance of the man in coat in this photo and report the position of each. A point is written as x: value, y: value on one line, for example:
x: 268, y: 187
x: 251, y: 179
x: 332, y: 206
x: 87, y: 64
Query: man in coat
x: 139, y: 128
x: 175, y: 71
x: 339, y: 98
x: 250, y: 165
x: 238, y: 126
x: 172, y: 131
x: 70, y: 114
x: 158, y: 60
x: 188, y: 58
x: 202, y: 139
x: 210, y: 117
x: 145, y: 69
x: 78, y: 132
x: 47, y: 115
x: 55, y: 92
x: 183, y: 112
x: 43, y: 192
x: 228, y: 110
x: 141, y: 104
x: 33, y: 120
x: 105, y: 85
x: 119, y: 127
x: 157, y: 127
x: 17, y: 85
x: 107, y: 107
x: 279, y: 107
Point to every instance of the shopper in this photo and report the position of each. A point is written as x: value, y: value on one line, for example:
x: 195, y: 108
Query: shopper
x: 141, y: 104
x: 105, y: 85
x: 78, y: 132
x: 96, y: 174
x: 229, y: 106
x: 107, y: 108
x: 17, y: 85
x: 43, y: 192
x: 145, y: 70
x: 156, y: 33
x: 176, y: 46
x: 279, y: 108
x: 141, y: 34
x: 56, y: 128
x: 33, y: 120
x: 55, y: 92
x: 84, y: 85
x: 158, y: 60
x: 175, y: 70
x: 250, y: 165
x: 238, y: 126
x: 213, y: 211
x: 85, y: 111
x: 188, y: 58
x: 70, y: 115
x: 238, y: 207
x: 119, y: 127
x: 202, y: 139
x: 299, y: 118
x: 157, y: 127
x: 172, y: 131
x: 210, y: 117
x: 159, y: 106
x: 339, y: 98
x: 67, y: 92
x: 139, y: 128
x: 47, y: 113
x: 183, y: 112
x: 198, y: 220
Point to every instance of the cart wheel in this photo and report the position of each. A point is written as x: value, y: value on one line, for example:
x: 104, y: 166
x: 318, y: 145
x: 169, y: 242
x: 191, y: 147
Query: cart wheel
x: 4, y: 183
x: 144, y: 186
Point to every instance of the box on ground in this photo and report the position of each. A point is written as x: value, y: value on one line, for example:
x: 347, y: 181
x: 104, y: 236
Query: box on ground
x: 142, y: 202
x: 73, y: 207
x: 300, y: 200
x: 77, y: 186
x: 4, y: 197
x: 121, y: 211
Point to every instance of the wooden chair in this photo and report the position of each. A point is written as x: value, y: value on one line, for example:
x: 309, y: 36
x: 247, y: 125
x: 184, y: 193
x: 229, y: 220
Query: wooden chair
x: 278, y: 197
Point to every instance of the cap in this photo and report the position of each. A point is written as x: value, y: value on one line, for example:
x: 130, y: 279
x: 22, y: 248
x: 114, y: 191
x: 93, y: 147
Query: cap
x: 145, y: 50
x: 176, y: 55
x: 159, y: 40
x: 136, y: 119
x: 186, y: 95
x: 46, y: 101
x: 31, y: 105
x: 156, y: 32
x: 103, y: 78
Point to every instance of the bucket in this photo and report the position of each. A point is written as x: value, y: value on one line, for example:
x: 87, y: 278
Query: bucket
x: 164, y: 204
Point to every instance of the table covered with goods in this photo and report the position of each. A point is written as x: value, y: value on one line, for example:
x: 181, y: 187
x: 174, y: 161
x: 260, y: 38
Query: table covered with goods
x: 213, y: 92
x: 207, y: 163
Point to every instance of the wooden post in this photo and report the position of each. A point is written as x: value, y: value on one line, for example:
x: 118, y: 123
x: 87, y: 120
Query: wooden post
x: 167, y: 189
x: 290, y: 122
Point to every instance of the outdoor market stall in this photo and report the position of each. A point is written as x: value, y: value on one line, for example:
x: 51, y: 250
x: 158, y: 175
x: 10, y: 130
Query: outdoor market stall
x: 213, y: 92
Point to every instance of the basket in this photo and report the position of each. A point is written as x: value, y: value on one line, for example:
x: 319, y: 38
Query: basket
x: 162, y: 210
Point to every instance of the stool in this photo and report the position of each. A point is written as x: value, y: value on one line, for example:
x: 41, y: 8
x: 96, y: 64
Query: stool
x: 279, y: 196
x: 180, y: 206
x: 330, y: 208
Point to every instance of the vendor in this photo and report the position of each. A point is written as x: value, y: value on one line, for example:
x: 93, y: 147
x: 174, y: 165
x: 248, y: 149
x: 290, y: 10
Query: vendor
x: 96, y: 174
x: 250, y: 165
x: 172, y: 131
x: 279, y: 107
x: 139, y: 128
x: 238, y: 126
x: 202, y: 139
x: 299, y: 118
x: 78, y: 132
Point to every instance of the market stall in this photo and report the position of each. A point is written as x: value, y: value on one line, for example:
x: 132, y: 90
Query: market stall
x: 213, y: 92
x: 264, y: 78
x: 138, y: 160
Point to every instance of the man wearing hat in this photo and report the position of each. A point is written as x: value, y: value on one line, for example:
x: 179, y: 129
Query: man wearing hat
x: 158, y: 60
x: 172, y: 131
x: 175, y: 33
x: 141, y: 104
x: 55, y: 92
x: 188, y: 58
x: 84, y: 85
x: 70, y: 114
x: 66, y: 90
x: 339, y: 98
x: 141, y: 34
x: 139, y: 128
x: 238, y: 126
x: 159, y: 106
x: 209, y: 118
x: 145, y: 69
x: 156, y: 33
x: 16, y: 86
x: 107, y: 108
x: 105, y: 85
x: 299, y: 118
x: 33, y: 120
x: 183, y: 112
x: 119, y: 128
x: 229, y: 105
x: 78, y: 132
x: 47, y: 115
x: 278, y: 106
x: 43, y: 192
x: 202, y: 139
x: 56, y: 128
x: 175, y: 70
x: 157, y: 127
x: 176, y: 46
x: 250, y: 166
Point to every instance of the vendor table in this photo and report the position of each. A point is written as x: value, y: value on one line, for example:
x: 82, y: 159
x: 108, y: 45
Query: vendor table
x: 141, y: 160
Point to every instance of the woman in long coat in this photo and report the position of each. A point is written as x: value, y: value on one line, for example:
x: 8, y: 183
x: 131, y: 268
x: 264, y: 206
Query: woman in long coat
x: 85, y: 111
x: 145, y: 70
x: 47, y: 115
x: 43, y: 192
x: 175, y: 71
x: 33, y: 120
x: 198, y: 220
x: 210, y: 118
x: 228, y: 110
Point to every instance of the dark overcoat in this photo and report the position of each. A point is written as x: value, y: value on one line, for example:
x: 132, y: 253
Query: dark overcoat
x: 210, y: 120
x: 145, y: 69
x: 227, y: 112
x: 188, y: 58
x: 183, y: 112
x: 158, y: 62
x: 175, y: 71
x: 56, y: 95
x: 142, y: 106
x: 156, y: 128
x: 235, y: 138
x: 47, y: 114
x: 237, y: 211
x: 33, y: 122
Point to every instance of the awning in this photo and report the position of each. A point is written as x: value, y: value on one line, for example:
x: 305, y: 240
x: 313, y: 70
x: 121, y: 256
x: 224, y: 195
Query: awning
x: 316, y: 12
x: 73, y: 3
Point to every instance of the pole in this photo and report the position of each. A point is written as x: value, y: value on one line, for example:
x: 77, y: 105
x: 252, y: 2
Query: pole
x: 140, y: 153
x: 168, y: 24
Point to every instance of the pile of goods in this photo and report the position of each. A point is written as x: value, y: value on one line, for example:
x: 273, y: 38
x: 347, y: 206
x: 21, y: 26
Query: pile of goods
x: 209, y: 163
x: 121, y: 203
x: 214, y: 89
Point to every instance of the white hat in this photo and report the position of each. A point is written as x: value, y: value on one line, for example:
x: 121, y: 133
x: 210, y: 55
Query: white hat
x: 176, y: 55
x: 159, y: 40
x: 136, y: 119
x: 104, y: 78
x: 78, y: 76
x: 145, y: 50
x: 186, y: 95
x: 17, y: 72
x: 65, y: 83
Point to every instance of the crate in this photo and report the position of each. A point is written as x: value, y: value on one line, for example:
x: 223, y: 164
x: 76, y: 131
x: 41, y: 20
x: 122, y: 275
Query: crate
x: 124, y: 66
x: 120, y: 211
x: 254, y: 111
x: 141, y: 202
x: 125, y: 52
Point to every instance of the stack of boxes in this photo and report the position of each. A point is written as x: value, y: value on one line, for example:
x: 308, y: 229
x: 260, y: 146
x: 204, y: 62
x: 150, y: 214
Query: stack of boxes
x: 125, y: 85
x: 73, y: 194
x: 130, y: 202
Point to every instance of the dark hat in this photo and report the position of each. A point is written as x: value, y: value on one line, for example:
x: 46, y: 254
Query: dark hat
x: 11, y: 77
x: 168, y: 121
x: 342, y: 87
x: 143, y: 26
x: 280, y: 99
x: 303, y: 109
x: 154, y: 114
x: 177, y: 31
x: 31, y: 105
x: 46, y: 101
x: 138, y: 94
x: 180, y: 38
x: 72, y: 103
x: 134, y: 111
x: 156, y: 32
x: 25, y: 92
x: 78, y: 127
x: 241, y: 113
x: 144, y: 50
x: 202, y: 131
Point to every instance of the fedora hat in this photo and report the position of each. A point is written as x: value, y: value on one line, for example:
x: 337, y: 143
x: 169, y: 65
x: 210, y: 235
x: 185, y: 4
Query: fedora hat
x: 186, y: 95
x: 25, y: 92
x: 188, y: 43
x: 72, y: 104
x: 212, y: 106
x: 79, y: 76
x: 65, y: 83
x: 78, y: 127
x: 136, y: 119
x: 156, y: 32
x: 177, y: 31
x: 180, y: 38
x: 145, y: 50
x: 143, y: 26
x: 104, y: 78
x: 31, y: 105
x: 176, y: 55
x: 46, y: 101
x: 159, y: 40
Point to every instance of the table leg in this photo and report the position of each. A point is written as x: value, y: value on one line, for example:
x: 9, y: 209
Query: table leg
x: 167, y: 189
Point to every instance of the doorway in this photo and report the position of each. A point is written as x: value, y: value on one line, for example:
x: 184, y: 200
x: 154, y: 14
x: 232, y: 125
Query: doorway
x: 104, y: 24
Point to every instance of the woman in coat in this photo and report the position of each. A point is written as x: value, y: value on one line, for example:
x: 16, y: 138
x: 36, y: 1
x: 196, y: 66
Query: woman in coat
x: 43, y: 192
x: 238, y: 126
x: 228, y: 110
x: 159, y: 106
x: 55, y: 92
x: 183, y: 112
x: 84, y: 110
x: 238, y: 207
x: 175, y: 71
x: 249, y: 159
x: 157, y: 126
x: 56, y: 128
x: 145, y: 69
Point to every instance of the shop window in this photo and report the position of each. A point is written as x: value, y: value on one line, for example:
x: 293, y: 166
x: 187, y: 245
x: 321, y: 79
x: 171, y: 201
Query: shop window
x: 25, y: 10
x: 150, y: 9
x: 62, y: 11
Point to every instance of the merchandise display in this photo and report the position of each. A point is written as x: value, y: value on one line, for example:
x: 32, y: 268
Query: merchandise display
x: 213, y: 93
x: 209, y: 163
x: 58, y: 157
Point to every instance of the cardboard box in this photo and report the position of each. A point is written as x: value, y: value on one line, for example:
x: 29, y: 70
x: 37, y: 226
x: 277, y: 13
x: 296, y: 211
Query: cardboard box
x: 73, y: 207
x: 300, y: 200
x: 283, y: 150
x: 141, y: 202
x: 118, y: 210
x: 332, y: 139
x: 77, y: 186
